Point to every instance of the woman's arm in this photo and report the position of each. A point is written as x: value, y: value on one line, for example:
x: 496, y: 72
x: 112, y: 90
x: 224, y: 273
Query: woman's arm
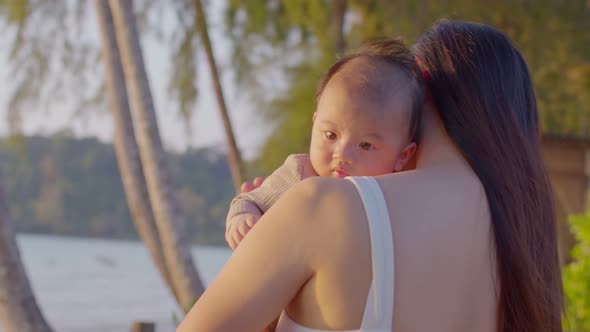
x: 265, y: 272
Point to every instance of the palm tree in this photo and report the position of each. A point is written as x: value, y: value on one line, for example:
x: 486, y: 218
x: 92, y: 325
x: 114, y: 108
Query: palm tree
x: 337, y: 23
x: 175, y: 244
x: 235, y: 160
x: 19, y: 311
x: 125, y: 145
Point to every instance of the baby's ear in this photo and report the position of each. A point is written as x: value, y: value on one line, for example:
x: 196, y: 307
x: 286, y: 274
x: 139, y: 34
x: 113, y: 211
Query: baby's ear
x: 315, y: 114
x: 405, y: 156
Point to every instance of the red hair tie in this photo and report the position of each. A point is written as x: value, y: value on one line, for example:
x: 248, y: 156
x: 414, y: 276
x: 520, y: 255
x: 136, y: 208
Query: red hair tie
x: 425, y: 76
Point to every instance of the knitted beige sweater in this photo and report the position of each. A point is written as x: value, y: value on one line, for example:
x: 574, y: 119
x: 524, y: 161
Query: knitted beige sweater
x: 296, y: 168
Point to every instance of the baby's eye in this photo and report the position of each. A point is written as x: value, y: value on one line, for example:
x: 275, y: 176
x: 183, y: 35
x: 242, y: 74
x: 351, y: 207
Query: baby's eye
x: 329, y: 135
x: 366, y: 146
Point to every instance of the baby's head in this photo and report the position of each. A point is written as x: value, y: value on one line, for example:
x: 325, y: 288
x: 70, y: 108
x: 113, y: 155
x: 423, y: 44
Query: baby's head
x: 367, y: 119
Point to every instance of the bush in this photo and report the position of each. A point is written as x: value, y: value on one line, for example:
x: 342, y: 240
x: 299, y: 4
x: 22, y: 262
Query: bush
x: 576, y: 277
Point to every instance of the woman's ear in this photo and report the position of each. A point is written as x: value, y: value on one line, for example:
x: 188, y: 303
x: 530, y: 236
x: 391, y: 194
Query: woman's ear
x: 315, y: 114
x: 405, y: 156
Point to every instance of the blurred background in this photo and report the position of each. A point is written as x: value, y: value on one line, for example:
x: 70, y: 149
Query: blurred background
x: 128, y: 125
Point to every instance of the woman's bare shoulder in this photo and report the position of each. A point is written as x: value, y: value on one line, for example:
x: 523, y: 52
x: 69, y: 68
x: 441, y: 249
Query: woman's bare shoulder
x: 323, y: 205
x: 318, y: 191
x: 316, y: 198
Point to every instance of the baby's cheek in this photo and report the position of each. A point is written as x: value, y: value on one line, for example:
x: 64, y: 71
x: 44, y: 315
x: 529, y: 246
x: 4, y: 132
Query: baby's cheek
x: 320, y: 160
x: 379, y: 166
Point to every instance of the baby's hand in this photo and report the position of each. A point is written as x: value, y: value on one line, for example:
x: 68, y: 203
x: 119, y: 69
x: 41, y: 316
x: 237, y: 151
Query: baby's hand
x: 239, y: 228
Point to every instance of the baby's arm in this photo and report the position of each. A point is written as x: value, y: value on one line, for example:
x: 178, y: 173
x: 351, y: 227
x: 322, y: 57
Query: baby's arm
x: 247, y: 208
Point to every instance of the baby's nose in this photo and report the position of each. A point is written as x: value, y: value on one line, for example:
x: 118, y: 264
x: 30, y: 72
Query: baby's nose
x: 344, y: 154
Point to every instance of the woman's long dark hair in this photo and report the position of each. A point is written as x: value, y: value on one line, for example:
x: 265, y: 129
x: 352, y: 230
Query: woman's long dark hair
x: 482, y: 88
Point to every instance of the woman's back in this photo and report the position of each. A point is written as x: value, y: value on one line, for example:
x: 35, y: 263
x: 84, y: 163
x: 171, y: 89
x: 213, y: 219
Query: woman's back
x: 444, y: 251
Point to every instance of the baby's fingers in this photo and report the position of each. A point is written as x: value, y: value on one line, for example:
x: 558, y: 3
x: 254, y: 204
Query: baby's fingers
x: 228, y: 234
x: 236, y: 239
x: 251, y: 220
x: 258, y: 181
x: 232, y: 243
x: 243, y: 228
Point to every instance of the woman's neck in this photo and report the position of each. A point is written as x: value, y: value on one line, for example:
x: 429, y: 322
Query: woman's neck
x: 436, y: 147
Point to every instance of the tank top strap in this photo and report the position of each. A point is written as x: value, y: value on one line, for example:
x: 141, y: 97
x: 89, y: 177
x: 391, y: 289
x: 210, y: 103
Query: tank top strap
x: 379, y: 307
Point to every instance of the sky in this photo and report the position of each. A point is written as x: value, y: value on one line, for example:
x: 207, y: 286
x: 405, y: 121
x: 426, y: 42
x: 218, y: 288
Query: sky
x: 249, y: 126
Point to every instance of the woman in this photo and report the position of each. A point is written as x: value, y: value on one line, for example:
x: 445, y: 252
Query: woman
x: 470, y: 232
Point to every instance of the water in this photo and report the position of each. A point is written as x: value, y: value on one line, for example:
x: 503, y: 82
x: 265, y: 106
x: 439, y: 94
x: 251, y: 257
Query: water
x: 92, y: 285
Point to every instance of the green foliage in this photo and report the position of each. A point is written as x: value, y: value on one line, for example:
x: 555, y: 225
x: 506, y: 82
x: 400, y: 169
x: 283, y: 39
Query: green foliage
x: 294, y: 112
x: 55, y: 58
x: 576, y: 277
x: 552, y: 35
x: 185, y: 44
x: 72, y: 186
x: 14, y: 11
x: 51, y: 56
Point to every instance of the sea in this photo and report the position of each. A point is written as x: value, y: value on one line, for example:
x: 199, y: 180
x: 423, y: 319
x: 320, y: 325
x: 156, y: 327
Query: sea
x: 101, y: 285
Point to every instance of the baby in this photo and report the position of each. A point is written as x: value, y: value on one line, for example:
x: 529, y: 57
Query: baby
x: 366, y: 123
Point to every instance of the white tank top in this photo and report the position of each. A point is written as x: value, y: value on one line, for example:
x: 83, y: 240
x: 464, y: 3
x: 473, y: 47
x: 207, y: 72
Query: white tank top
x: 378, y: 312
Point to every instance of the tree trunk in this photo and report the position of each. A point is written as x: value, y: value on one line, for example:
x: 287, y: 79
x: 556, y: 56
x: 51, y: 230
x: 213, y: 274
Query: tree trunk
x: 235, y: 160
x: 125, y: 145
x: 337, y: 25
x: 19, y: 311
x: 175, y: 244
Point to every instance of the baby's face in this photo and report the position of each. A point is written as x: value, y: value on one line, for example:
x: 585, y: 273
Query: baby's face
x: 355, y: 136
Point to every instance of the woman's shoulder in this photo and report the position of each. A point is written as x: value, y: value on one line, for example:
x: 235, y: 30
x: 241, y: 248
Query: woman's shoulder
x: 450, y: 187
x: 312, y: 195
x: 318, y: 191
x: 323, y: 203
x: 314, y: 210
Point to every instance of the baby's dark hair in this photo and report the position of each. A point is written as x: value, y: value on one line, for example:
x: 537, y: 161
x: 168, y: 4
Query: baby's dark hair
x: 390, y: 52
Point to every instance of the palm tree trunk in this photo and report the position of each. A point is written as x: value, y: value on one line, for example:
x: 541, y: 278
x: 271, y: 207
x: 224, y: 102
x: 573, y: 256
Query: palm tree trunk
x: 235, y: 160
x: 125, y: 145
x: 337, y: 24
x: 175, y: 244
x: 19, y: 311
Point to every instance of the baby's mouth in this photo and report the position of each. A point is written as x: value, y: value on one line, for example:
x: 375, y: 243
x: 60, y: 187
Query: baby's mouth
x: 339, y: 173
